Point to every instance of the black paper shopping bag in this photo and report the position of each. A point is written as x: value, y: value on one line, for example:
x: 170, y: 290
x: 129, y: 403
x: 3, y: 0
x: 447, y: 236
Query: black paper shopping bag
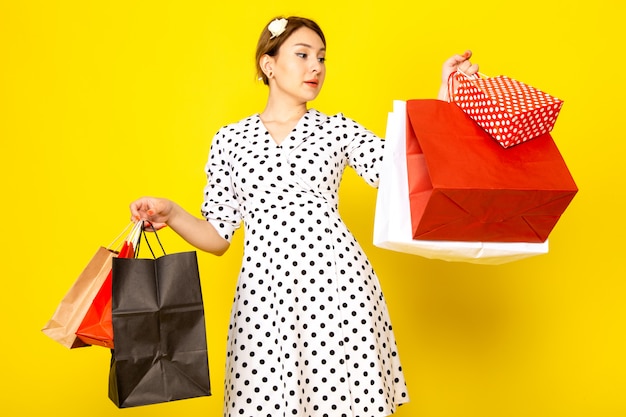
x: 160, y: 350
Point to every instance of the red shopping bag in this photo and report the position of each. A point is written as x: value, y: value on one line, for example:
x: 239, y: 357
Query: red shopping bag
x: 463, y: 186
x: 509, y: 110
x: 97, y: 326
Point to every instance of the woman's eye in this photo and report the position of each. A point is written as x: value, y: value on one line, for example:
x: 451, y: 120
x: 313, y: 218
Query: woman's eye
x: 322, y: 60
x: 301, y: 55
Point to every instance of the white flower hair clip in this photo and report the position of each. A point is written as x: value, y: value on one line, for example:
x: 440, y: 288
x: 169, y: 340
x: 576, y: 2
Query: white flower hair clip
x: 277, y: 27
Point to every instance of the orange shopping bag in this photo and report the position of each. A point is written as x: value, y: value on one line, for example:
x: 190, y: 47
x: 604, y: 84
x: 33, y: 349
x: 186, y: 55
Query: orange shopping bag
x: 96, y: 327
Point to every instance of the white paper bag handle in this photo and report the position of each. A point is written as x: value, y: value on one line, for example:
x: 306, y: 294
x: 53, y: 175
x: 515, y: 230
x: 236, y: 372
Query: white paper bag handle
x: 132, y: 237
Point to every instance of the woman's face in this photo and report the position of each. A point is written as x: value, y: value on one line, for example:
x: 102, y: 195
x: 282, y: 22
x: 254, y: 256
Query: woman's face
x: 299, y: 67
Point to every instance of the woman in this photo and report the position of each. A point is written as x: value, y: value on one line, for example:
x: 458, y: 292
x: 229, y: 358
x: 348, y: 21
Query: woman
x: 310, y: 333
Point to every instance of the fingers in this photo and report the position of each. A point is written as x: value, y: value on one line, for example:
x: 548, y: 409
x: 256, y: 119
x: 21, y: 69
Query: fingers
x: 136, y: 210
x: 458, y: 59
x: 154, y: 212
x: 459, y: 62
x: 462, y: 63
x: 473, y: 69
x: 149, y: 226
x: 142, y: 208
x: 468, y: 68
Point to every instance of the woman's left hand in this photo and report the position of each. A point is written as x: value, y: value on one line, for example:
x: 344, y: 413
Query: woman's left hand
x: 450, y: 66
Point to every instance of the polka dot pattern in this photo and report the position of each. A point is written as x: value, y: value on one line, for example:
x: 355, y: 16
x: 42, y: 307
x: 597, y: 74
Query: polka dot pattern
x: 510, y: 111
x: 310, y: 333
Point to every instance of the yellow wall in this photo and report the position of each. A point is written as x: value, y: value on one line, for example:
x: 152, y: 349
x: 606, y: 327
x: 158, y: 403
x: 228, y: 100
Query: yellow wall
x: 103, y: 101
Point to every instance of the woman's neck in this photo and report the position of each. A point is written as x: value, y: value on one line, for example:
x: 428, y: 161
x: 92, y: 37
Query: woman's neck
x: 282, y: 113
x: 279, y: 120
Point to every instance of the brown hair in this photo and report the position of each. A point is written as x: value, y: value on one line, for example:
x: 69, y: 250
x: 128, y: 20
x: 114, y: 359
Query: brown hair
x: 271, y: 46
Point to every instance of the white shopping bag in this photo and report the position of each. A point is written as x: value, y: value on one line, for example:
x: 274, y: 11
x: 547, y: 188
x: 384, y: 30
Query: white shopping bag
x: 392, y: 221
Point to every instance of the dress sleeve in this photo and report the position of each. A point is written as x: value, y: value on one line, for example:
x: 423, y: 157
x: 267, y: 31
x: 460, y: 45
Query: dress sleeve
x: 220, y: 206
x: 365, y: 152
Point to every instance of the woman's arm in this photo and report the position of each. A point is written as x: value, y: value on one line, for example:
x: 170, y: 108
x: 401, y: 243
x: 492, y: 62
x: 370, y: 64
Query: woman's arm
x: 197, y: 232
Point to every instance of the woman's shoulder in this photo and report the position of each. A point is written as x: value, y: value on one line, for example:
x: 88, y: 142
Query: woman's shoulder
x: 241, y: 125
x: 337, y: 119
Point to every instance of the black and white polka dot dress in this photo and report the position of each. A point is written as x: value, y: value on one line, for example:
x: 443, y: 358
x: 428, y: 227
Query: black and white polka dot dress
x: 310, y: 333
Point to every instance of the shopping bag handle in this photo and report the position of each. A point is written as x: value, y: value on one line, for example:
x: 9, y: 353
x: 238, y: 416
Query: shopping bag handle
x: 132, y: 237
x: 145, y: 236
x: 472, y: 77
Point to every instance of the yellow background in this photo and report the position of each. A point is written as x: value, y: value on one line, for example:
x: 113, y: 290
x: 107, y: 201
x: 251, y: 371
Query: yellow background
x: 104, y: 101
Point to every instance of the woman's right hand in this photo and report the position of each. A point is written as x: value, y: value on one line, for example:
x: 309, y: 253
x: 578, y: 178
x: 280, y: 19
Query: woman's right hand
x: 157, y: 211
x: 453, y: 64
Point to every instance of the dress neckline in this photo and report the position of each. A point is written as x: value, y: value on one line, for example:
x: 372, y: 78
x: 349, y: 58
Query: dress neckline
x: 290, y: 135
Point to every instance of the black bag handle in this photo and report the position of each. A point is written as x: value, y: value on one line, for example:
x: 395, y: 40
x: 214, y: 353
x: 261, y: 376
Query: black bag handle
x: 145, y: 236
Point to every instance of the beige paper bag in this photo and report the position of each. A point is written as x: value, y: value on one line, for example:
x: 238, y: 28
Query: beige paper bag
x: 74, y: 305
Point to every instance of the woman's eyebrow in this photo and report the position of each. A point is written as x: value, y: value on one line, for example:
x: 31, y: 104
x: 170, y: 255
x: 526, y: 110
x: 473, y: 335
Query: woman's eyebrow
x: 306, y: 45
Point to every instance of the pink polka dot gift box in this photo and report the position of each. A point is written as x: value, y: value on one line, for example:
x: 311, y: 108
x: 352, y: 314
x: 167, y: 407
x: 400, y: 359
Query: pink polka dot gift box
x: 511, y: 111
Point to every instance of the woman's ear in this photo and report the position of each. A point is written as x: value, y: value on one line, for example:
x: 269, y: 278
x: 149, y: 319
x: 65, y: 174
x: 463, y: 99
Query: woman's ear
x: 266, y: 63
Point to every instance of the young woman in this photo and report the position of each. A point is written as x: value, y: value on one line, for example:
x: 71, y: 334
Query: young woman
x: 310, y: 334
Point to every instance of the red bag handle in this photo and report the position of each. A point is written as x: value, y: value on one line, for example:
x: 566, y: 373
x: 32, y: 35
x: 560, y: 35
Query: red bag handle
x: 458, y: 72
